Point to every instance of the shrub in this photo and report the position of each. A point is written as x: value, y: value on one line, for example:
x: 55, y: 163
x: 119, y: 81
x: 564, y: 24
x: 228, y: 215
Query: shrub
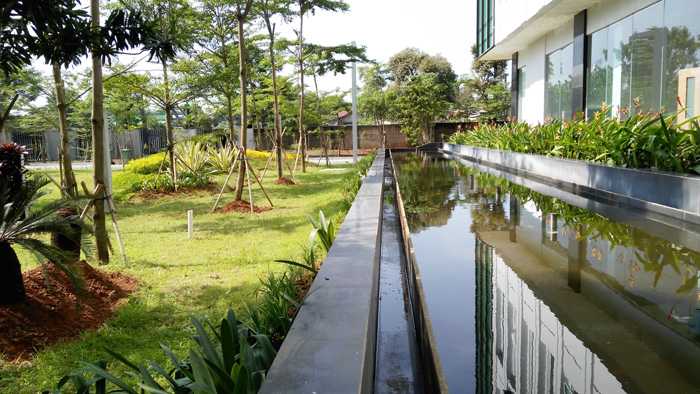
x: 231, y: 358
x: 221, y: 159
x: 191, y: 157
x: 147, y: 165
x: 645, y: 141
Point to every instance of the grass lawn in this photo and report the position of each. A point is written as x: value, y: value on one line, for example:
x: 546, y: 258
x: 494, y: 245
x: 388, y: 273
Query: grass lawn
x: 178, y: 277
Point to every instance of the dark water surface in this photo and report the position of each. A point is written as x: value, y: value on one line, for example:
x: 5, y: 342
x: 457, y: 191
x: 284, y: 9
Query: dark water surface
x: 528, y: 294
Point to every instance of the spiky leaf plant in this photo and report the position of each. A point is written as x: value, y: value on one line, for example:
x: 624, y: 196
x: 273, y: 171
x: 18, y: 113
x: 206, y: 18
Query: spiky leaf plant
x: 23, y: 223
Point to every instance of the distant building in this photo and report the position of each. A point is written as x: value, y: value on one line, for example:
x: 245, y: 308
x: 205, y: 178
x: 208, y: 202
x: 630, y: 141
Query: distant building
x: 576, y: 57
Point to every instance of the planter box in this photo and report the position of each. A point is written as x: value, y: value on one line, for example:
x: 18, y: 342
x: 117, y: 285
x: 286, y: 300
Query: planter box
x: 670, y: 194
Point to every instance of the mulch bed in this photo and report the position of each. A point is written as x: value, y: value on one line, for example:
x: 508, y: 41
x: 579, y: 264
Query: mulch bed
x: 242, y: 206
x: 54, y: 311
x: 284, y: 181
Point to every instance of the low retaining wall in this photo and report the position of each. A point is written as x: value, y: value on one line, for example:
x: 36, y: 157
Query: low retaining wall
x: 670, y: 194
x: 331, y: 345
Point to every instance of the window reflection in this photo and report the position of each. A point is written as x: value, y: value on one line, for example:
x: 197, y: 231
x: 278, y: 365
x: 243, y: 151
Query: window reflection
x: 635, y: 62
x: 558, y: 91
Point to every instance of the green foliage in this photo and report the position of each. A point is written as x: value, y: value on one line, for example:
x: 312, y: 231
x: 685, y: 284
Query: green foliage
x: 191, y: 157
x: 641, y: 141
x: 279, y: 299
x: 231, y: 358
x: 147, y: 165
x: 25, y: 223
x: 424, y: 89
x: 221, y: 159
x: 420, y: 102
x: 485, y: 93
x: 324, y: 229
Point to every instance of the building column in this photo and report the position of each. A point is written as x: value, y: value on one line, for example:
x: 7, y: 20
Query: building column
x: 580, y: 66
x: 514, y: 84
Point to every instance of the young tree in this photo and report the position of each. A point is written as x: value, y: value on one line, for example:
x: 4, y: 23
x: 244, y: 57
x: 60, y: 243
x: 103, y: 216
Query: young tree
x: 268, y: 10
x: 171, y: 30
x: 306, y: 7
x: 218, y: 65
x: 242, y: 14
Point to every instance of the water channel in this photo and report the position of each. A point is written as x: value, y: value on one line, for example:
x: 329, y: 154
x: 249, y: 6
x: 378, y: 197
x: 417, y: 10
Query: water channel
x: 528, y: 294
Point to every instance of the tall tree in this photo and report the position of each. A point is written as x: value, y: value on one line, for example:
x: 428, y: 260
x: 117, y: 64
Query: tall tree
x: 375, y: 101
x: 268, y: 10
x: 243, y: 13
x: 219, y: 61
x: 309, y: 7
x: 488, y: 88
x: 122, y: 30
x: 425, y: 87
x: 98, y: 144
x: 69, y: 186
x: 171, y: 30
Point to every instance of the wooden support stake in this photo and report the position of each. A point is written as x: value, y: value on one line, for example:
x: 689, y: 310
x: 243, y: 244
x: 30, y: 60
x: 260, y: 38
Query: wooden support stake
x: 228, y: 177
x: 247, y: 175
x: 259, y: 183
x: 117, y: 233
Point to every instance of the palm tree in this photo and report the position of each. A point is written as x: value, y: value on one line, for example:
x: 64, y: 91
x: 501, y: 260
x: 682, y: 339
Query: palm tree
x: 22, y: 223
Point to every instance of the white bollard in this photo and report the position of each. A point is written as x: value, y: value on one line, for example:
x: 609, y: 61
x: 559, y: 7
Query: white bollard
x: 190, y: 224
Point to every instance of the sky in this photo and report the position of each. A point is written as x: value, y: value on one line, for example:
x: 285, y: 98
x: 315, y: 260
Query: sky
x: 445, y: 27
x: 384, y: 27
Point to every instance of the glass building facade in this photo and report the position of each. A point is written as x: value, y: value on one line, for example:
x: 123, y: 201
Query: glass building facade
x: 484, y: 25
x: 557, y: 99
x: 635, y: 63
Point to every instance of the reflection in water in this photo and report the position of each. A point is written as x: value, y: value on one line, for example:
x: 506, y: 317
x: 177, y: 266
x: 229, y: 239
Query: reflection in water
x: 564, y: 299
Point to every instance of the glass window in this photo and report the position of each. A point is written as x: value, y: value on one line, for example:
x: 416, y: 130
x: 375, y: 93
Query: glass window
x: 558, y: 90
x: 646, y: 46
x: 598, y: 90
x: 642, y: 59
x: 682, y: 50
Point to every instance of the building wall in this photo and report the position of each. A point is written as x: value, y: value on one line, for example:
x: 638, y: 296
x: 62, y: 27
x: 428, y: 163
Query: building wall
x: 510, y: 14
x: 532, y: 59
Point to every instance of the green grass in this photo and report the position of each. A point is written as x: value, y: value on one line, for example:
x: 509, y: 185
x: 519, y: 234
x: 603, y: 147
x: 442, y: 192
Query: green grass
x: 220, y: 267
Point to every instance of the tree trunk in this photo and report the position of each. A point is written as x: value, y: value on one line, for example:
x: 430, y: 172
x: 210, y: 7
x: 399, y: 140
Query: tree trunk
x: 276, y: 107
x: 11, y: 283
x: 244, y: 105
x: 69, y: 186
x: 98, y: 148
x: 302, y: 133
x: 231, y: 126
x: 169, y: 126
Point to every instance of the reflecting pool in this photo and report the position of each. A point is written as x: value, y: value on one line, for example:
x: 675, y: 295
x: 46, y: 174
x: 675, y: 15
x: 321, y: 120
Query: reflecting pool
x: 528, y: 294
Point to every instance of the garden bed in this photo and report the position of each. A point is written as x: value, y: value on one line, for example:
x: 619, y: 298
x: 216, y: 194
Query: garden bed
x: 55, y: 311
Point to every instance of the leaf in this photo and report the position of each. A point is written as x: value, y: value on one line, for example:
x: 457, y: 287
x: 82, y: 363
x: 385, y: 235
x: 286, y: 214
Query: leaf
x: 204, y: 383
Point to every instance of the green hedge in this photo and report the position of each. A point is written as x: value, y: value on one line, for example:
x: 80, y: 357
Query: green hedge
x: 148, y: 164
x: 645, y: 141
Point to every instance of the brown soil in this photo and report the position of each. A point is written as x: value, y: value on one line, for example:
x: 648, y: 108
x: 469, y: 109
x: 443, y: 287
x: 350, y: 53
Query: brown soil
x: 242, y: 206
x: 284, y: 181
x: 55, y: 311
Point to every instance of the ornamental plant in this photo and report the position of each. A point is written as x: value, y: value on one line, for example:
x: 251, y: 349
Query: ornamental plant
x: 645, y: 141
